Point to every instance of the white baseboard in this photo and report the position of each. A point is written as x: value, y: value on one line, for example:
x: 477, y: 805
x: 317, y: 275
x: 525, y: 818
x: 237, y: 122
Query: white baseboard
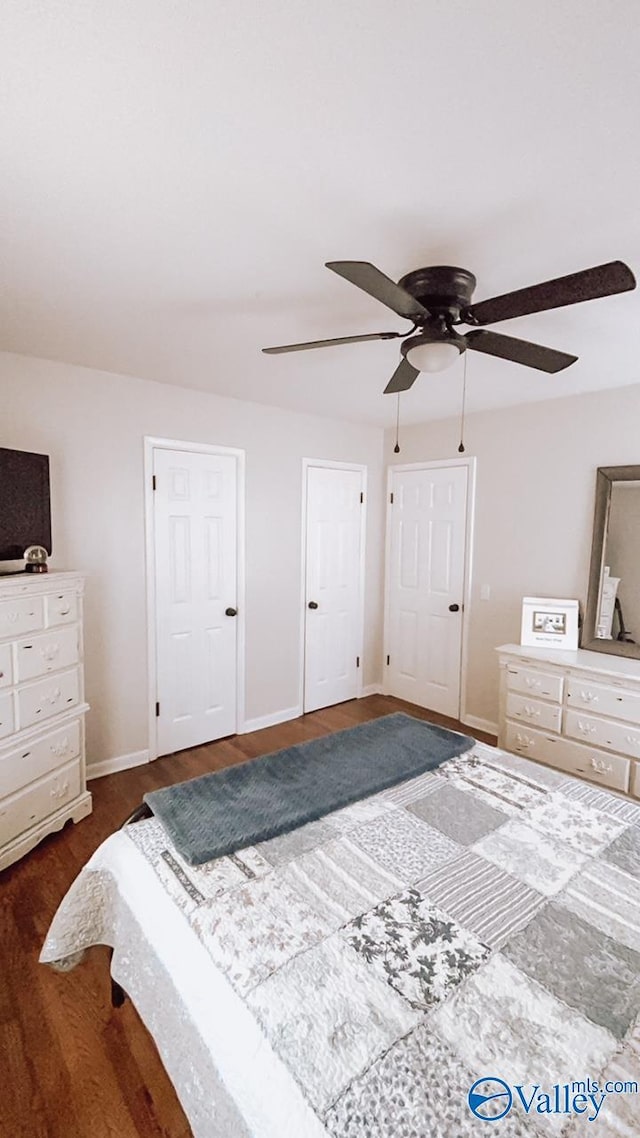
x: 371, y: 689
x: 269, y: 720
x: 480, y: 724
x: 120, y: 763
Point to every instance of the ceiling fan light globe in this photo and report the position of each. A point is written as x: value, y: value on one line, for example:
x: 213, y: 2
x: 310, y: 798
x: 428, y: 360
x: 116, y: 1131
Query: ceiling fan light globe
x: 436, y: 356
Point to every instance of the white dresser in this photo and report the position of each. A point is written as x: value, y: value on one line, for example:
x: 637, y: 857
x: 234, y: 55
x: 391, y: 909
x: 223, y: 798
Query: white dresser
x: 42, y: 709
x: 577, y: 711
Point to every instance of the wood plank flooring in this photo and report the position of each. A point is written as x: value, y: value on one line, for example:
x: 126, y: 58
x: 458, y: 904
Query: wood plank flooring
x: 70, y: 1065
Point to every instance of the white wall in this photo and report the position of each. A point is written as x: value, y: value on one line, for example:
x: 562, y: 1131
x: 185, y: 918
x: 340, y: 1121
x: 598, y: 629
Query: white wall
x: 92, y: 425
x: 535, y: 498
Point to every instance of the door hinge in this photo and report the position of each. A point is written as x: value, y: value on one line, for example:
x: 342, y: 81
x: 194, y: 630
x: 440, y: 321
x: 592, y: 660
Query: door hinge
x: 153, y: 482
x: 361, y: 497
x: 357, y: 661
x: 388, y: 659
x: 391, y: 497
x: 157, y: 709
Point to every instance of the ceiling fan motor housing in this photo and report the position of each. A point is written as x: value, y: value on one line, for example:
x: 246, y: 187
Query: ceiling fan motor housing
x: 442, y: 289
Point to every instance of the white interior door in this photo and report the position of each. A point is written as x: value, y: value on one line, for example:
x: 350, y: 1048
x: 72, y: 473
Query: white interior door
x: 425, y: 583
x: 195, y: 538
x: 333, y: 621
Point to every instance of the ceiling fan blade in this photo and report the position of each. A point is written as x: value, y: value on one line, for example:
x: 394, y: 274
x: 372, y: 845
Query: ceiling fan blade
x: 382, y: 288
x: 402, y: 379
x: 331, y: 343
x: 519, y: 351
x: 603, y: 280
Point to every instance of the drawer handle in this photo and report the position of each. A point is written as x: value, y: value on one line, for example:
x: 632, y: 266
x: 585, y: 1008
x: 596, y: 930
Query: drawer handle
x: 60, y: 791
x: 586, y: 728
x: 53, y: 697
x: 60, y: 749
x: 64, y: 612
x: 601, y: 766
x: 524, y: 740
x: 1, y: 675
x: 49, y: 651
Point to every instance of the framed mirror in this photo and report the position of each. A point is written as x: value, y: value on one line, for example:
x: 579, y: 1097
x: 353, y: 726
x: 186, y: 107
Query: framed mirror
x: 612, y: 618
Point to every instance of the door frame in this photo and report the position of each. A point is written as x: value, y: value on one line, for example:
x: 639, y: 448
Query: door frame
x: 440, y: 464
x: 151, y: 444
x: 330, y: 464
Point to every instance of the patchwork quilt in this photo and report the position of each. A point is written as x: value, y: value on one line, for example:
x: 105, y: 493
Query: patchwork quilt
x: 399, y: 961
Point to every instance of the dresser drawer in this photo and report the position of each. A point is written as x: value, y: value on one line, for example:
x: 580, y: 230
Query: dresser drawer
x: 60, y: 608
x: 599, y: 766
x: 603, y: 733
x: 6, y: 669
x: 604, y: 700
x: 533, y: 711
x: 524, y: 740
x: 37, y: 802
x: 535, y: 683
x: 38, y: 655
x: 33, y: 760
x: 20, y: 615
x: 565, y: 755
x: 48, y: 697
x: 7, y: 717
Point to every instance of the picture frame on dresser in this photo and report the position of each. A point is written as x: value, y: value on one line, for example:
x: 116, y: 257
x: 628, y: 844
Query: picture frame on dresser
x: 42, y: 709
x: 576, y: 711
x: 549, y: 620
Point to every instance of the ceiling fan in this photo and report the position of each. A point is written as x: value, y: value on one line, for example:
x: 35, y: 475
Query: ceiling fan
x: 435, y: 299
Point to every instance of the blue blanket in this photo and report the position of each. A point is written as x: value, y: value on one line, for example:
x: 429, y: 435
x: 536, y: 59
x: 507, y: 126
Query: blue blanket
x: 230, y: 809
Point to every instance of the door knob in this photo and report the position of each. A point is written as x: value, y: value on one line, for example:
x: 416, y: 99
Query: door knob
x: 454, y: 608
x: 230, y: 612
x: 313, y: 604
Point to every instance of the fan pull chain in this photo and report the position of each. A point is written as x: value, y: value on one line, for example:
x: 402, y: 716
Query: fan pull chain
x: 396, y: 449
x: 464, y: 401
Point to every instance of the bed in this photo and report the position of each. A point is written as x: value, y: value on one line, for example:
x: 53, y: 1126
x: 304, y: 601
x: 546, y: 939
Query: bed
x: 395, y: 969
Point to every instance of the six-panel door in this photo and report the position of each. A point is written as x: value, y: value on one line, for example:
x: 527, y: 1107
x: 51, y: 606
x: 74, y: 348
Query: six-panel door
x: 333, y: 586
x: 425, y: 584
x: 195, y: 524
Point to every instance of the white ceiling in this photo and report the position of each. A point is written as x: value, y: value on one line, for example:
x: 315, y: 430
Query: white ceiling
x: 175, y: 174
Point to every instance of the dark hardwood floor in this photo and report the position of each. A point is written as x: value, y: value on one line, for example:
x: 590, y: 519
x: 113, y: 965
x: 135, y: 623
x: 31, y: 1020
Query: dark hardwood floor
x: 71, y: 1066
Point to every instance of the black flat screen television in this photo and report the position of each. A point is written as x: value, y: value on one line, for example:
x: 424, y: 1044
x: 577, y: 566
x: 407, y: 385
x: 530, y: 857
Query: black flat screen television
x: 25, y: 504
